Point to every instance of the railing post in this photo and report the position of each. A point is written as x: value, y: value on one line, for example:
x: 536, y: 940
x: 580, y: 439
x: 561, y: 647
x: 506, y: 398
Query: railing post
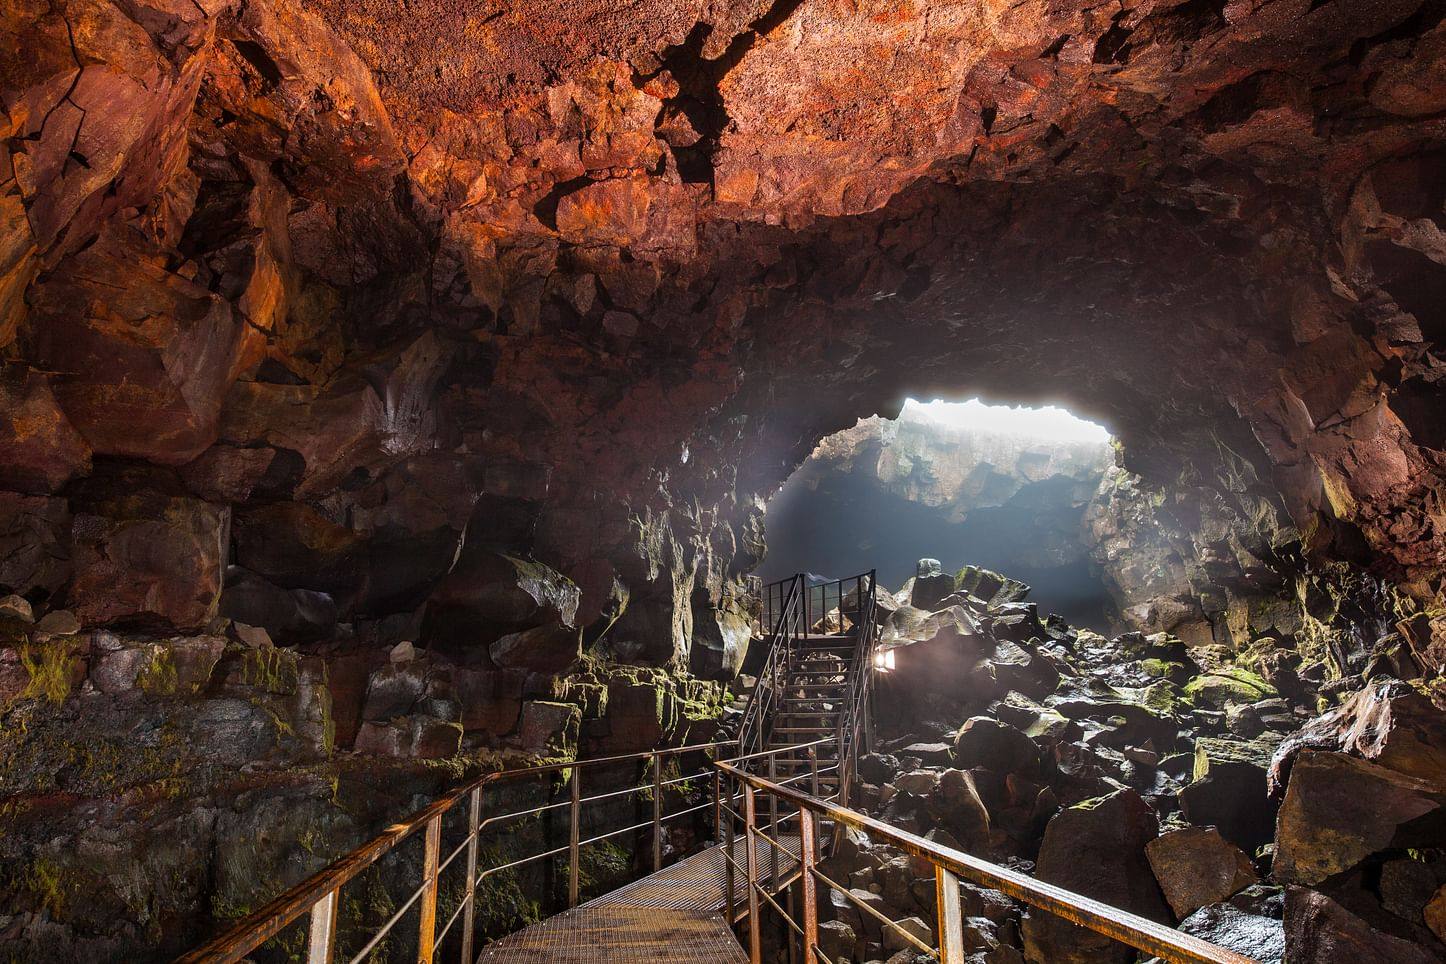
x: 469, y: 921
x: 427, y: 925
x: 729, y: 903
x: 573, y: 835
x: 773, y: 822
x: 808, y: 851
x: 750, y: 843
x: 321, y: 937
x: 657, y: 811
x: 951, y: 917
x: 813, y: 769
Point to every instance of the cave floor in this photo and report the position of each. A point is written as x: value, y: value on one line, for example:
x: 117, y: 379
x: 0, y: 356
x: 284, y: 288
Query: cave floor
x: 674, y: 914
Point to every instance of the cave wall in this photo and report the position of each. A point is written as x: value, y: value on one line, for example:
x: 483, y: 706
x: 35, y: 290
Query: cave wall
x: 490, y: 332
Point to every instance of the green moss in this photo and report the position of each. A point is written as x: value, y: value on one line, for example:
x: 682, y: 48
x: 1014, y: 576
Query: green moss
x: 43, y: 879
x: 160, y: 677
x: 270, y: 668
x: 51, y: 668
x: 1229, y: 684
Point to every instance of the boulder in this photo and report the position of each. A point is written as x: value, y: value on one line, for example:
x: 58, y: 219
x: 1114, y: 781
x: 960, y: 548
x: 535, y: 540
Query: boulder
x: 289, y: 616
x: 1096, y: 848
x: 543, y: 649
x: 985, y: 742
x: 294, y: 546
x: 491, y: 700
x: 1388, y: 722
x: 1196, y: 867
x: 963, y: 810
x: 1227, y: 685
x: 17, y: 607
x: 1254, y: 935
x: 1338, y: 810
x: 1435, y: 914
x: 836, y: 939
x: 42, y: 448
x: 1320, y: 931
x: 549, y: 729
x: 918, y: 783
x: 488, y: 595
x: 149, y: 560
x: 34, y: 543
x: 1228, y: 792
x: 931, y: 585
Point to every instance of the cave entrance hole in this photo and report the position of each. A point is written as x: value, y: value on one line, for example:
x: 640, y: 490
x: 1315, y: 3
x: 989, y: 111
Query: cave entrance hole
x: 1005, y: 488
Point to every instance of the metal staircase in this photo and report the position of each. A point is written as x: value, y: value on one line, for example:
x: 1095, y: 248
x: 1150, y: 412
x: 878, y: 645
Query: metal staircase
x: 815, y: 680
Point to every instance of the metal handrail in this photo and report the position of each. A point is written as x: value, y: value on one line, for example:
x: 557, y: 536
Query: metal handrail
x: 787, y: 624
x: 319, y: 893
x: 950, y: 865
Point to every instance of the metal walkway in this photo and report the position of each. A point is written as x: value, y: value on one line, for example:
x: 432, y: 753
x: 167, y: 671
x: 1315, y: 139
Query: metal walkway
x: 674, y: 915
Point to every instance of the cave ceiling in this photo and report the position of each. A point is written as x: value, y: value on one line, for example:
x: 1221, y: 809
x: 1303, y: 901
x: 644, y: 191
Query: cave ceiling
x: 614, y: 258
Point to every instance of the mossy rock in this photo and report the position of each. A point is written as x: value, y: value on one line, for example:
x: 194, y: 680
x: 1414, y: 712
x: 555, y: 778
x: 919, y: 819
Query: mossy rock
x: 1229, y: 684
x: 1165, y: 697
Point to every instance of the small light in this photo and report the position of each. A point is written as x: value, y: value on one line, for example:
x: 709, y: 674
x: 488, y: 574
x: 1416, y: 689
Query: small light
x: 884, y: 661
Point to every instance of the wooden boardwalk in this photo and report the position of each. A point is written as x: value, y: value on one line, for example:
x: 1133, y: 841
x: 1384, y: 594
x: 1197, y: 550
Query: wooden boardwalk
x: 674, y: 915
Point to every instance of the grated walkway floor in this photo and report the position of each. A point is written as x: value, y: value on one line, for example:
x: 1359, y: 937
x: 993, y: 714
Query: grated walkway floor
x: 674, y: 915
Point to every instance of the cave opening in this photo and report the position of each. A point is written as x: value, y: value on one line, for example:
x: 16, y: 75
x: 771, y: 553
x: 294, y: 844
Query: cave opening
x: 1004, y: 488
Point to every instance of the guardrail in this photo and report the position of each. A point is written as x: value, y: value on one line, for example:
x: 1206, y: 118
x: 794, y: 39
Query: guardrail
x: 319, y: 895
x: 950, y: 866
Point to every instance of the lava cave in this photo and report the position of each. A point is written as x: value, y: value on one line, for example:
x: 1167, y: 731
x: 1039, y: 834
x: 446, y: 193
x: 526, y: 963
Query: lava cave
x: 393, y: 395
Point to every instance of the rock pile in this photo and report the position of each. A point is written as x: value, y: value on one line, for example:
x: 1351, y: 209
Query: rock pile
x: 1170, y: 780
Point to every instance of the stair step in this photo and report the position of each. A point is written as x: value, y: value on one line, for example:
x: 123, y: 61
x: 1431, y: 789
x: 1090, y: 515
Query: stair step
x: 804, y: 729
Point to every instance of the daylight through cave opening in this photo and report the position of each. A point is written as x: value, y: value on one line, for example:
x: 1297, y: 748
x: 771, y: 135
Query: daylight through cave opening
x: 1018, y: 490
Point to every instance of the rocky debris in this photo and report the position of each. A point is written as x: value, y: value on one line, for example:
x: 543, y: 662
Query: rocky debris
x: 1113, y: 750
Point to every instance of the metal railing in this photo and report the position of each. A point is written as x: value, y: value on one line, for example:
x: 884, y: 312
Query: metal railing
x: 320, y: 895
x: 783, y: 617
x: 950, y: 867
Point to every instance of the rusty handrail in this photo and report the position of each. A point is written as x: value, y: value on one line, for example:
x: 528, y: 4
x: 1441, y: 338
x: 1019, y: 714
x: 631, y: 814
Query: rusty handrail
x: 318, y: 893
x: 1139, y: 932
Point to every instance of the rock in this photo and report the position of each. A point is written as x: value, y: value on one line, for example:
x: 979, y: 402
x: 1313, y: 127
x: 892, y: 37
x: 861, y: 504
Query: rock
x: 836, y: 939
x: 1406, y: 887
x: 919, y: 783
x: 1228, y: 792
x: 1096, y: 848
x: 416, y: 737
x: 915, y: 927
x: 294, y: 546
x: 57, y: 622
x: 930, y: 754
x: 42, y: 448
x: 1228, y: 685
x: 149, y: 560
x: 1435, y: 914
x: 1387, y: 722
x: 34, y: 544
x: 964, y: 811
x: 254, y: 636
x: 1338, y: 810
x: 393, y: 691
x: 403, y: 652
x: 984, y: 742
x: 17, y: 607
x: 491, y: 700
x: 549, y: 729
x: 1320, y: 931
x: 1196, y: 867
x: 290, y: 616
x: 931, y: 585
x: 488, y: 595
x: 1257, y: 937
x: 543, y: 649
